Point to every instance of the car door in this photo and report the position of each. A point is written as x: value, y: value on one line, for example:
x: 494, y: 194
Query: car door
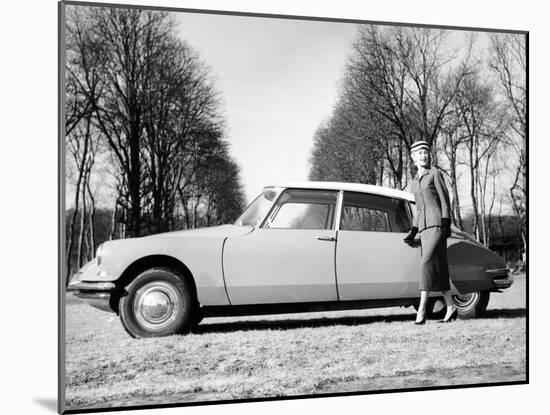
x: 290, y: 258
x: 372, y: 261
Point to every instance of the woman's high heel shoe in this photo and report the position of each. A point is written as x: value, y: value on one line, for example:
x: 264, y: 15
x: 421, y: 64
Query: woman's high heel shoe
x: 418, y: 322
x: 452, y: 317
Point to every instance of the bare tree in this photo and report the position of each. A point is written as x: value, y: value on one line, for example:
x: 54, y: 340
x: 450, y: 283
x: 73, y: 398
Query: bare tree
x: 84, y: 84
x: 181, y: 123
x: 153, y: 102
x: 122, y: 38
x: 484, y: 124
x: 77, y: 143
x: 343, y: 150
x: 397, y: 88
x: 508, y: 60
x: 82, y: 145
x: 138, y: 96
x: 406, y: 81
x: 452, y: 139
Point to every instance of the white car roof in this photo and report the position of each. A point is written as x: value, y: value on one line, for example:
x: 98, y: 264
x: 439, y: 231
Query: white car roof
x: 351, y: 187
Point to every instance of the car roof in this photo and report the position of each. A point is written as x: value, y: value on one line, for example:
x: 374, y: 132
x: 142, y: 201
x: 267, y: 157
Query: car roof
x: 351, y: 187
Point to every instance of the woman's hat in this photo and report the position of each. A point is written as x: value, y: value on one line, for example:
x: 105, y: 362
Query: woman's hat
x: 417, y: 145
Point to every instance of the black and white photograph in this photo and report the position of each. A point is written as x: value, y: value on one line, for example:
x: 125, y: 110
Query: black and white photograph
x: 262, y: 206
x: 239, y: 207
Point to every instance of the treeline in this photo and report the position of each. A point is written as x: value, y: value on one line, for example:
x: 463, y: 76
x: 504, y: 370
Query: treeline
x: 406, y: 84
x: 144, y: 120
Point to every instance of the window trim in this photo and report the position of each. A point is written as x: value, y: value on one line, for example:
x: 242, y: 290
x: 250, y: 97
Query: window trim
x: 274, y: 208
x: 407, y: 208
x: 339, y: 208
x: 277, y: 192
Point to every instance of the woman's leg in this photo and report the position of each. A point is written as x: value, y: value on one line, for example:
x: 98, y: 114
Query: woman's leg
x: 449, y: 303
x: 422, y: 306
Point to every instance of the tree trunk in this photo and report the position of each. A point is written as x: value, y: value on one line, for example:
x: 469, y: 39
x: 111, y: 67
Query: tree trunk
x: 490, y: 219
x: 79, y: 184
x: 113, y: 220
x: 72, y: 228
x: 185, y: 210
x: 473, y: 190
x: 454, y: 189
x: 91, y: 221
x: 82, y: 230
x: 196, y: 206
x: 134, y: 179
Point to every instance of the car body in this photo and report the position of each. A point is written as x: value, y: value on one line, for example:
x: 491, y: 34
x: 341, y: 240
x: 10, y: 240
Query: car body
x: 297, y: 247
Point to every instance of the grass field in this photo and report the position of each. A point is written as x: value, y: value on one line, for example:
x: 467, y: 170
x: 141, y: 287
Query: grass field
x: 297, y: 354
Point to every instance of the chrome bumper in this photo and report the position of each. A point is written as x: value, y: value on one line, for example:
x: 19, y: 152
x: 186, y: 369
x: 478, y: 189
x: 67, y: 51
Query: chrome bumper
x: 98, y: 294
x: 101, y: 300
x: 501, y: 277
x: 91, y: 286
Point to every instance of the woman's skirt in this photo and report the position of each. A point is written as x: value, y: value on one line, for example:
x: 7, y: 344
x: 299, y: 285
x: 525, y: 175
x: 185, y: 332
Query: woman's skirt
x: 434, y: 269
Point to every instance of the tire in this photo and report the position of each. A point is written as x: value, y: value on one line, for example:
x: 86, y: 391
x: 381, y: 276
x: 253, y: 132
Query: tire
x: 472, y: 305
x: 159, y: 303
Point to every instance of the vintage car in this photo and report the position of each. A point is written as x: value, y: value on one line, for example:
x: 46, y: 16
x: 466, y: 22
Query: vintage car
x: 300, y: 247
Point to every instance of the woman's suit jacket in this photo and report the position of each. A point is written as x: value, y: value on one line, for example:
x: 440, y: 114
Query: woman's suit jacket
x: 432, y: 199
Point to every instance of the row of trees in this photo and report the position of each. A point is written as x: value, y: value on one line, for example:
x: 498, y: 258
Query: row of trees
x: 143, y: 118
x: 406, y: 84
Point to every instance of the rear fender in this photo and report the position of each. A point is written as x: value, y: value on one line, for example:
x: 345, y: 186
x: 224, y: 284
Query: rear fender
x: 469, y: 263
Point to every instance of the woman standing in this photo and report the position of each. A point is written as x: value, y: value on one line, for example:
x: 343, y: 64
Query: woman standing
x: 434, y: 224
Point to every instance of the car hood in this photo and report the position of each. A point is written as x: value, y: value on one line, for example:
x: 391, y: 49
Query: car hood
x: 210, y: 232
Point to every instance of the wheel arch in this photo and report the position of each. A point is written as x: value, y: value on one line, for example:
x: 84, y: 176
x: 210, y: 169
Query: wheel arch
x: 151, y: 261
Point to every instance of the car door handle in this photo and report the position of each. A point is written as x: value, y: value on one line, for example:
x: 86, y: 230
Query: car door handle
x: 326, y: 238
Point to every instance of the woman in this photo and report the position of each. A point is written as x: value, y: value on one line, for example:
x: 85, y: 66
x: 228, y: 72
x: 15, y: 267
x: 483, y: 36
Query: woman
x: 434, y: 224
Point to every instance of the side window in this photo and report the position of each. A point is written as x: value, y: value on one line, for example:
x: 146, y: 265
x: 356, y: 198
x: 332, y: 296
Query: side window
x: 303, y: 209
x: 373, y: 213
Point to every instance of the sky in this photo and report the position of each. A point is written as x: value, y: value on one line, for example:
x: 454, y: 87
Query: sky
x: 278, y: 81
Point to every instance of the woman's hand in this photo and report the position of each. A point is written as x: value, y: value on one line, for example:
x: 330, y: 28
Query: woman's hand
x: 409, y: 239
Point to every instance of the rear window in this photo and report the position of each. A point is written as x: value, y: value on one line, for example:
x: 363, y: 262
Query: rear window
x: 373, y: 213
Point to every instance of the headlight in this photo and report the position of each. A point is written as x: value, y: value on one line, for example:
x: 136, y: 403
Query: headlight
x: 98, y: 254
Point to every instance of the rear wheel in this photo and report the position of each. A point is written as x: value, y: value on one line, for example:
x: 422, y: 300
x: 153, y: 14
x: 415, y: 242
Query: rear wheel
x: 159, y: 303
x: 472, y: 305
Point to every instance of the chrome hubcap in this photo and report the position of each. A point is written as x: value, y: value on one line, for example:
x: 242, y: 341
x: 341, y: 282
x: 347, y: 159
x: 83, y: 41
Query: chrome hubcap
x: 156, y: 305
x: 465, y: 301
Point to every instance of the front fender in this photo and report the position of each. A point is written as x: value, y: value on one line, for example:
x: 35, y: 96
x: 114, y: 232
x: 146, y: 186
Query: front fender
x: 201, y: 255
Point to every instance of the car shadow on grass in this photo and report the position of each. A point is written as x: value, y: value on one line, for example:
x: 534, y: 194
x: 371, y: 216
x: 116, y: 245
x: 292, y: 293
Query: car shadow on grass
x: 291, y: 324
x: 506, y: 313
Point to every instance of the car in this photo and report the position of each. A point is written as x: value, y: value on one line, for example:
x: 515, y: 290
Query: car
x: 298, y: 247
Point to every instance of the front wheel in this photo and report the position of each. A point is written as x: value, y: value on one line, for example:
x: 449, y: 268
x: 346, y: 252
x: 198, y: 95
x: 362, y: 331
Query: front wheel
x: 159, y: 303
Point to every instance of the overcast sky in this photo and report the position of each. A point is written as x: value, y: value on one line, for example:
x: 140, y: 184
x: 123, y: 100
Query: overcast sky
x: 278, y: 79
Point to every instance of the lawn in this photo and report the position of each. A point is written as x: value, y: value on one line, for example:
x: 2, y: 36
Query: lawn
x: 297, y: 354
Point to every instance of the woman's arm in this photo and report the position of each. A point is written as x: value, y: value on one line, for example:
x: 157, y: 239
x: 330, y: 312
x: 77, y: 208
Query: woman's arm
x: 443, y: 194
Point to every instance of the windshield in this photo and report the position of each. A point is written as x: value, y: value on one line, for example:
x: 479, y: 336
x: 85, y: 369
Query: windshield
x: 256, y: 211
